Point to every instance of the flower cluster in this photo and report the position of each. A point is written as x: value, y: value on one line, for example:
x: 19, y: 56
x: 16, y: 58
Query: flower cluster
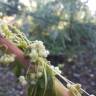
x: 37, y: 50
x: 34, y: 76
x: 7, y: 58
x: 37, y: 53
x: 56, y: 69
x: 14, y: 35
x: 22, y: 80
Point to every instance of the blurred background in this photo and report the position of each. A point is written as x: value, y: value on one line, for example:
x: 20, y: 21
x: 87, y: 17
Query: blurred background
x: 68, y: 30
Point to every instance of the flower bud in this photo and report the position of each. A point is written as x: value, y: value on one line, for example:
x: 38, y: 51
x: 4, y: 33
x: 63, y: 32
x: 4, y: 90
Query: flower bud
x: 22, y: 80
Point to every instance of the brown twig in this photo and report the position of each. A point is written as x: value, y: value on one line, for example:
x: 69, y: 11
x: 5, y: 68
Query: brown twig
x: 12, y: 48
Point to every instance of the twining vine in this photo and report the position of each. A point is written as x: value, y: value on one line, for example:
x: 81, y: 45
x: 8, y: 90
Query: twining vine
x: 30, y: 66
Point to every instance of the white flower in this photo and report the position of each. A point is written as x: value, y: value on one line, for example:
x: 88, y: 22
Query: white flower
x: 22, y: 80
x: 39, y: 45
x: 56, y: 69
x: 46, y: 53
x: 33, y: 55
x: 38, y: 42
x: 38, y: 50
x: 68, y: 85
x: 52, y: 67
x: 43, y: 53
x: 7, y: 58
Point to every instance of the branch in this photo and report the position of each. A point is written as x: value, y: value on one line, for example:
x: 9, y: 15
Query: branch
x: 12, y: 48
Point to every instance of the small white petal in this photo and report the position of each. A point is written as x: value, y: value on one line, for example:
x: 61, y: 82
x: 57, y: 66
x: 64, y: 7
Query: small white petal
x: 68, y: 85
x: 56, y: 68
x: 52, y: 67
x: 22, y: 80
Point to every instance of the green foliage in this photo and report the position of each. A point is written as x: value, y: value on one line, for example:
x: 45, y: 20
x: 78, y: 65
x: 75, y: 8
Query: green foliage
x: 68, y: 28
x: 65, y: 26
x: 10, y: 7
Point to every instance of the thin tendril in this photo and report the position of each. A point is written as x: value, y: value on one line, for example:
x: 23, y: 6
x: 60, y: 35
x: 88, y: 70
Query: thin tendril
x: 68, y: 81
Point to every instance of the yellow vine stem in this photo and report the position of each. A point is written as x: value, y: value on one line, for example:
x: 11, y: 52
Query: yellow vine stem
x: 69, y: 82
